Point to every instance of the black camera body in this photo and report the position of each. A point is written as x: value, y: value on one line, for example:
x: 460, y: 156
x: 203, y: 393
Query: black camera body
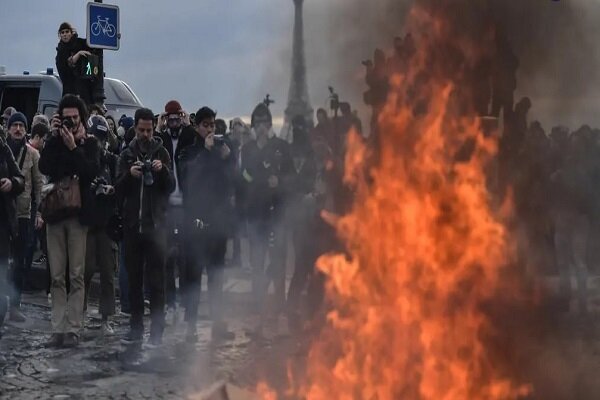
x: 219, y: 139
x: 68, y: 123
x: 100, y: 187
x: 147, y: 172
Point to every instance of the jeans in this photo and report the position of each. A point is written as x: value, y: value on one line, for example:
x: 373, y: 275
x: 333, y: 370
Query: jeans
x: 266, y: 238
x: 4, y: 287
x: 145, y: 255
x: 123, y: 283
x: 205, y: 251
x: 17, y: 272
x: 101, y: 256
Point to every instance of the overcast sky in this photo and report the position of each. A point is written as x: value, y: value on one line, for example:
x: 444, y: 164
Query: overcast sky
x: 225, y: 54
x: 229, y: 53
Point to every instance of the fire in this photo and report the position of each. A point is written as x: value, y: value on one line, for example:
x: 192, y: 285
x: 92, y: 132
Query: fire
x: 427, y: 252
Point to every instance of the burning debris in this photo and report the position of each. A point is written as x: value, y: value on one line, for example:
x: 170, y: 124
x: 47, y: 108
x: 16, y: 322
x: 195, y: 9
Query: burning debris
x: 427, y: 250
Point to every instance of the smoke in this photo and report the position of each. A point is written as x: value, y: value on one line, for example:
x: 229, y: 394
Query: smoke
x: 558, y: 64
x: 554, y: 41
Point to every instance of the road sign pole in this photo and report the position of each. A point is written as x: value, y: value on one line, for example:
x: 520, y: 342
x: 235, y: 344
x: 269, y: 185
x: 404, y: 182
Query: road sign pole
x: 100, y: 87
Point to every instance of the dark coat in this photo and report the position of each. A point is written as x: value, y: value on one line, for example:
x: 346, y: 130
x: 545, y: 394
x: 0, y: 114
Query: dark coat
x: 10, y: 169
x: 105, y: 206
x: 187, y: 135
x: 257, y: 166
x: 58, y: 162
x: 207, y: 184
x: 133, y: 193
x: 90, y: 91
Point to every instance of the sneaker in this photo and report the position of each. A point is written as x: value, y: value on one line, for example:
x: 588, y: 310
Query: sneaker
x: 40, y: 260
x: 132, y: 337
x: 15, y: 315
x: 70, y: 340
x: 56, y: 340
x: 107, y: 329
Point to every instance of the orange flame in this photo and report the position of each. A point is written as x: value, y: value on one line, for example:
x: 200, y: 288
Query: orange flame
x: 426, y: 252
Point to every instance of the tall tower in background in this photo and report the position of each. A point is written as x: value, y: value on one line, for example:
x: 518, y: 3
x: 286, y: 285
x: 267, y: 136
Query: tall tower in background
x: 298, y: 100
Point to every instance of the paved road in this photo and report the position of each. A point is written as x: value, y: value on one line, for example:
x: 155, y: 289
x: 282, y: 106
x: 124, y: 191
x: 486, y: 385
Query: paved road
x: 103, y: 368
x: 561, y: 361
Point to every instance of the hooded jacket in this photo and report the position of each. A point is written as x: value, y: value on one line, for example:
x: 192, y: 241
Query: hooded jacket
x: 9, y: 169
x: 138, y: 200
x: 58, y: 162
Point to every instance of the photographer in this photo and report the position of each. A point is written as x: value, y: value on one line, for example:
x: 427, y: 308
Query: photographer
x: 266, y: 168
x: 145, y: 180
x: 101, y: 250
x: 70, y: 158
x: 11, y: 185
x: 206, y: 171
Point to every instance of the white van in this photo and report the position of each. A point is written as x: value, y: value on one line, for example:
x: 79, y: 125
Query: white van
x: 41, y: 93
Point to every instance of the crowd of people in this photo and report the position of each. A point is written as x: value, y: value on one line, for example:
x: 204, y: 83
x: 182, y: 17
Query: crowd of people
x: 551, y: 177
x: 150, y: 202
x: 155, y: 205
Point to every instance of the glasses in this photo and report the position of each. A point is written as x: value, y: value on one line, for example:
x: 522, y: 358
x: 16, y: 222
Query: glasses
x: 18, y: 124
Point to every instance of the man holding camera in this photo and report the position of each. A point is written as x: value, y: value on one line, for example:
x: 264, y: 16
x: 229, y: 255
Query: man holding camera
x: 70, y: 158
x: 101, y: 249
x: 266, y: 168
x: 206, y: 172
x: 145, y: 180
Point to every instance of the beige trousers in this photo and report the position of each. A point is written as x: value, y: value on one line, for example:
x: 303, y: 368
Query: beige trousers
x: 66, y: 246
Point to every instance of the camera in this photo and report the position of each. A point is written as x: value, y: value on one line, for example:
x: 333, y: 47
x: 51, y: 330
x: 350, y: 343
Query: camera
x: 219, y: 139
x: 100, y: 186
x: 147, y: 172
x: 68, y: 122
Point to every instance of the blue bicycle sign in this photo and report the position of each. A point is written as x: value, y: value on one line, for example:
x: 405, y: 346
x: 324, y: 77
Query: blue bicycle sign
x: 103, y: 26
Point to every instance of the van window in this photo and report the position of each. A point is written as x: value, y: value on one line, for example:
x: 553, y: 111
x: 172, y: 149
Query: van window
x: 118, y: 93
x: 24, y: 99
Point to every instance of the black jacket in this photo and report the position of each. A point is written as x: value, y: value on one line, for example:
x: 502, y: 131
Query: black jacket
x: 58, y: 162
x: 207, y: 184
x: 90, y: 91
x: 187, y: 136
x: 10, y: 169
x: 134, y: 194
x: 257, y: 166
x: 105, y: 205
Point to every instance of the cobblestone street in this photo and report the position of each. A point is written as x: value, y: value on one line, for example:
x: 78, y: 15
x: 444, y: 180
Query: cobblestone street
x: 563, y: 364
x: 104, y: 368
